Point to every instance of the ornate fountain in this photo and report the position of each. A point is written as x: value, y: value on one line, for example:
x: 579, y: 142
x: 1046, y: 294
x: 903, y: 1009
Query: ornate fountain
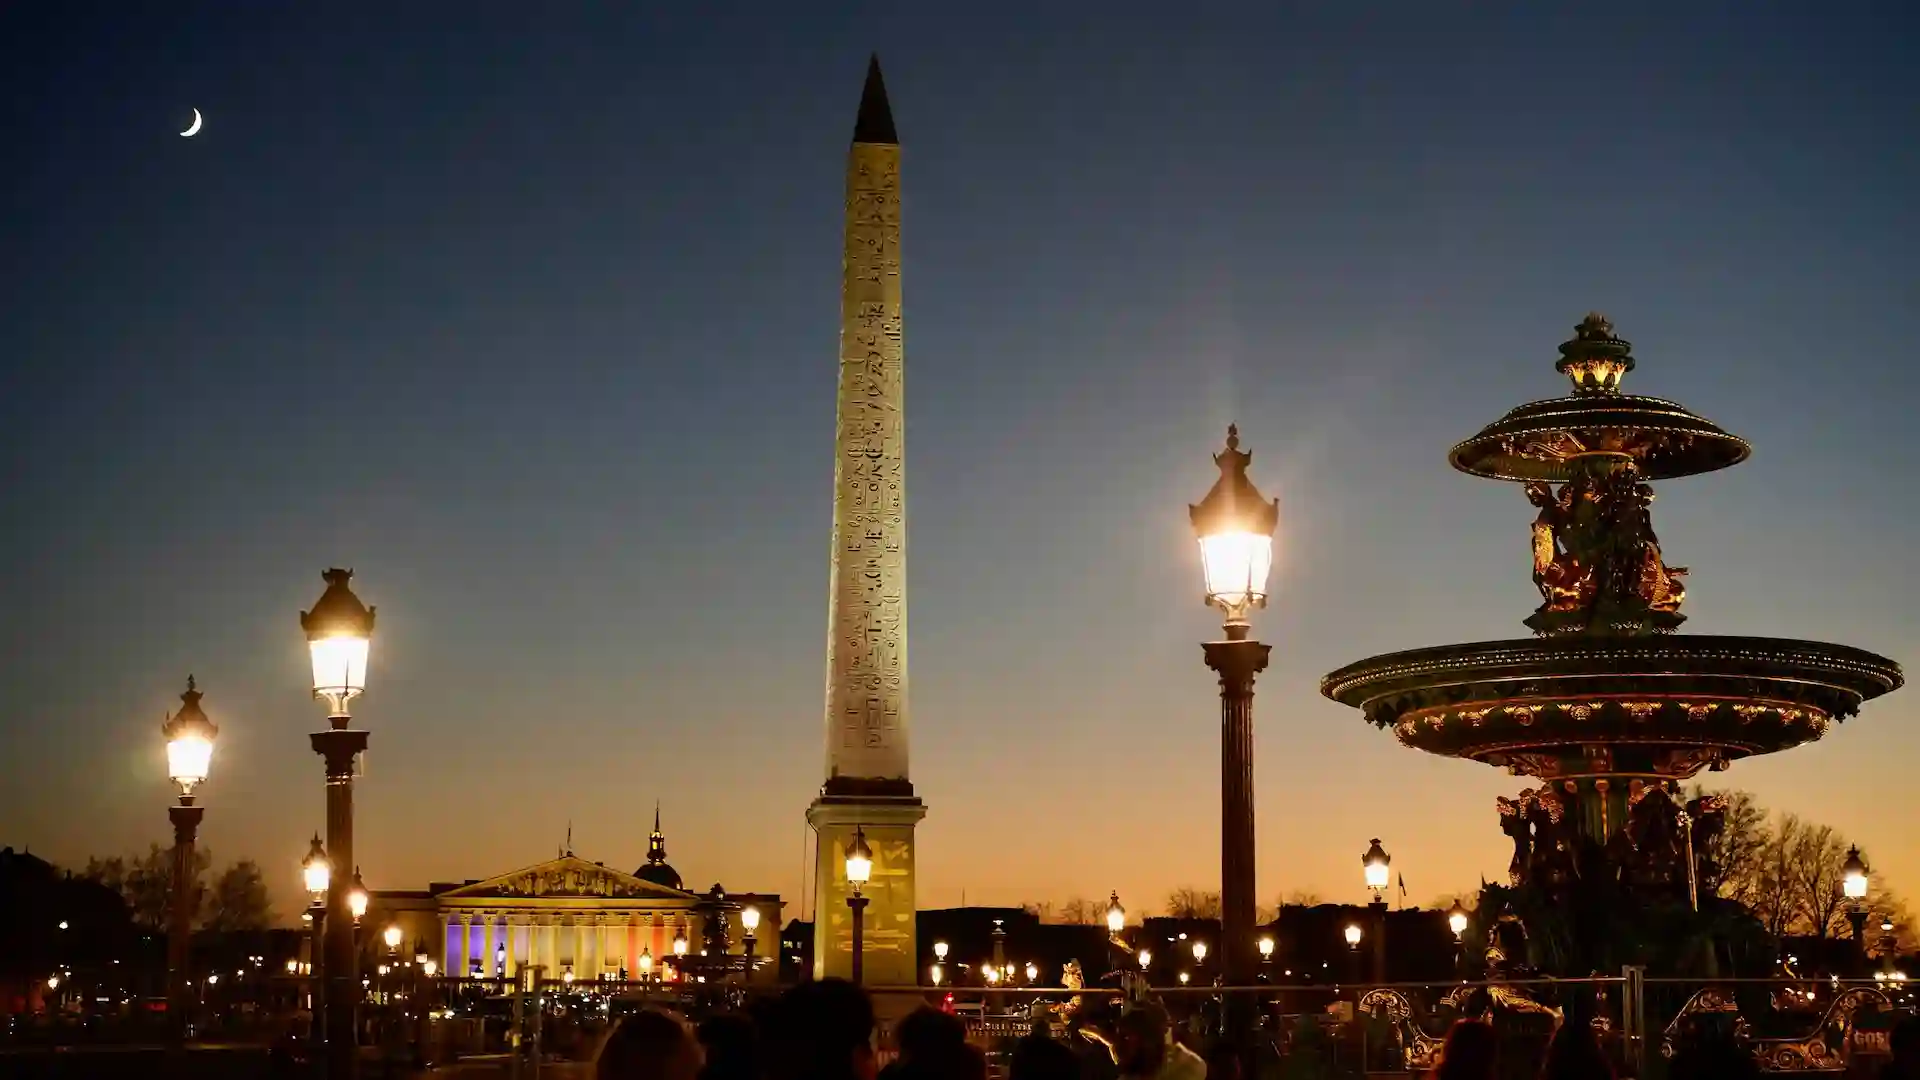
x: 1606, y: 709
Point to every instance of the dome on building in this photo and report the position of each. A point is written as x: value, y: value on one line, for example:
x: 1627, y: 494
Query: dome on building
x: 658, y: 871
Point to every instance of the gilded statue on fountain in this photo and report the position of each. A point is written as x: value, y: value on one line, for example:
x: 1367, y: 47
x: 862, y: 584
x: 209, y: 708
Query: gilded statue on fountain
x: 1596, y: 560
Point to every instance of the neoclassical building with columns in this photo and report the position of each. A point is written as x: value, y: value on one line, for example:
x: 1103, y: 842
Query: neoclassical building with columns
x: 570, y: 916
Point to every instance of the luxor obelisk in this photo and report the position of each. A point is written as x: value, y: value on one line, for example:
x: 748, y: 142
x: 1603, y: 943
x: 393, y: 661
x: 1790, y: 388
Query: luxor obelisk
x: 867, y: 785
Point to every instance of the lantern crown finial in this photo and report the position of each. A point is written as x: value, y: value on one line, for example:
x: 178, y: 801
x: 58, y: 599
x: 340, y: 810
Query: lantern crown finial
x: 1595, y: 359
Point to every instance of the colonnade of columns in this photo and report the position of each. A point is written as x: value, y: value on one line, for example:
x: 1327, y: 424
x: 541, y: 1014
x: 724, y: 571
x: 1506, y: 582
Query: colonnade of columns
x: 589, y: 945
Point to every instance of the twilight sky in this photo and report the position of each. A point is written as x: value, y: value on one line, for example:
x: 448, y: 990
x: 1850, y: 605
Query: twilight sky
x: 528, y: 314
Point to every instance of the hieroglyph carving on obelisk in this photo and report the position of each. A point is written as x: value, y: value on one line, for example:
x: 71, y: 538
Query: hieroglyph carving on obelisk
x: 866, y: 706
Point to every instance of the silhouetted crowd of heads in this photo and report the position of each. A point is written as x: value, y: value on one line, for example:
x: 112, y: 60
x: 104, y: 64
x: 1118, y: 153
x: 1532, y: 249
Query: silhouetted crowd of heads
x: 1472, y: 1052
x: 826, y: 1031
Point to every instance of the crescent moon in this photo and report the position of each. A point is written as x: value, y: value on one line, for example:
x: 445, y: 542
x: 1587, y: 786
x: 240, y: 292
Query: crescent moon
x: 193, y: 128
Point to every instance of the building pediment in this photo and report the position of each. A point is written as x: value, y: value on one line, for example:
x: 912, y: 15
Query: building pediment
x: 567, y: 876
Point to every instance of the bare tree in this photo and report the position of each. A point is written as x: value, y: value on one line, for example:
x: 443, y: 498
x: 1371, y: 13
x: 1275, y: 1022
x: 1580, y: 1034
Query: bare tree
x: 1789, y: 873
x: 1818, y: 863
x: 146, y: 882
x: 1188, y: 902
x: 1302, y: 898
x: 1887, y: 907
x: 1736, y: 855
x: 238, y: 899
x: 1769, y: 888
x: 1039, y: 909
x: 109, y: 872
x: 1081, y: 911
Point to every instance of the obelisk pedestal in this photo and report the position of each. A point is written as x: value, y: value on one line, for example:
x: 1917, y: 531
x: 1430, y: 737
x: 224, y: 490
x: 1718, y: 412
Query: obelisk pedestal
x: 867, y: 785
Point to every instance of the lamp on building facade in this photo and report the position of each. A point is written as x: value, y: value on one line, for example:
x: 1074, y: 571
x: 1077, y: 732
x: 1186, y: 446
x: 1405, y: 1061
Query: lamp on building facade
x: 1235, y: 525
x: 749, y: 922
x: 339, y: 633
x: 859, y: 871
x: 189, y: 736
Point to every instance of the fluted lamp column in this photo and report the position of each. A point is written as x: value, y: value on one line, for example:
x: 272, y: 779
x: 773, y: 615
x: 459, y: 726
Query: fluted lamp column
x: 339, y: 633
x: 190, y: 738
x: 1235, y: 526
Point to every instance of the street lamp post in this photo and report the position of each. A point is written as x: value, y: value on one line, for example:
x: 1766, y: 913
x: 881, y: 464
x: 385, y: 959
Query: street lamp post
x: 190, y: 738
x: 859, y: 870
x: 1116, y: 923
x: 1375, y: 862
x: 1888, y: 943
x: 1853, y: 884
x: 1235, y: 526
x: 339, y: 631
x: 1353, y: 934
x: 315, y: 871
x: 1457, y: 922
